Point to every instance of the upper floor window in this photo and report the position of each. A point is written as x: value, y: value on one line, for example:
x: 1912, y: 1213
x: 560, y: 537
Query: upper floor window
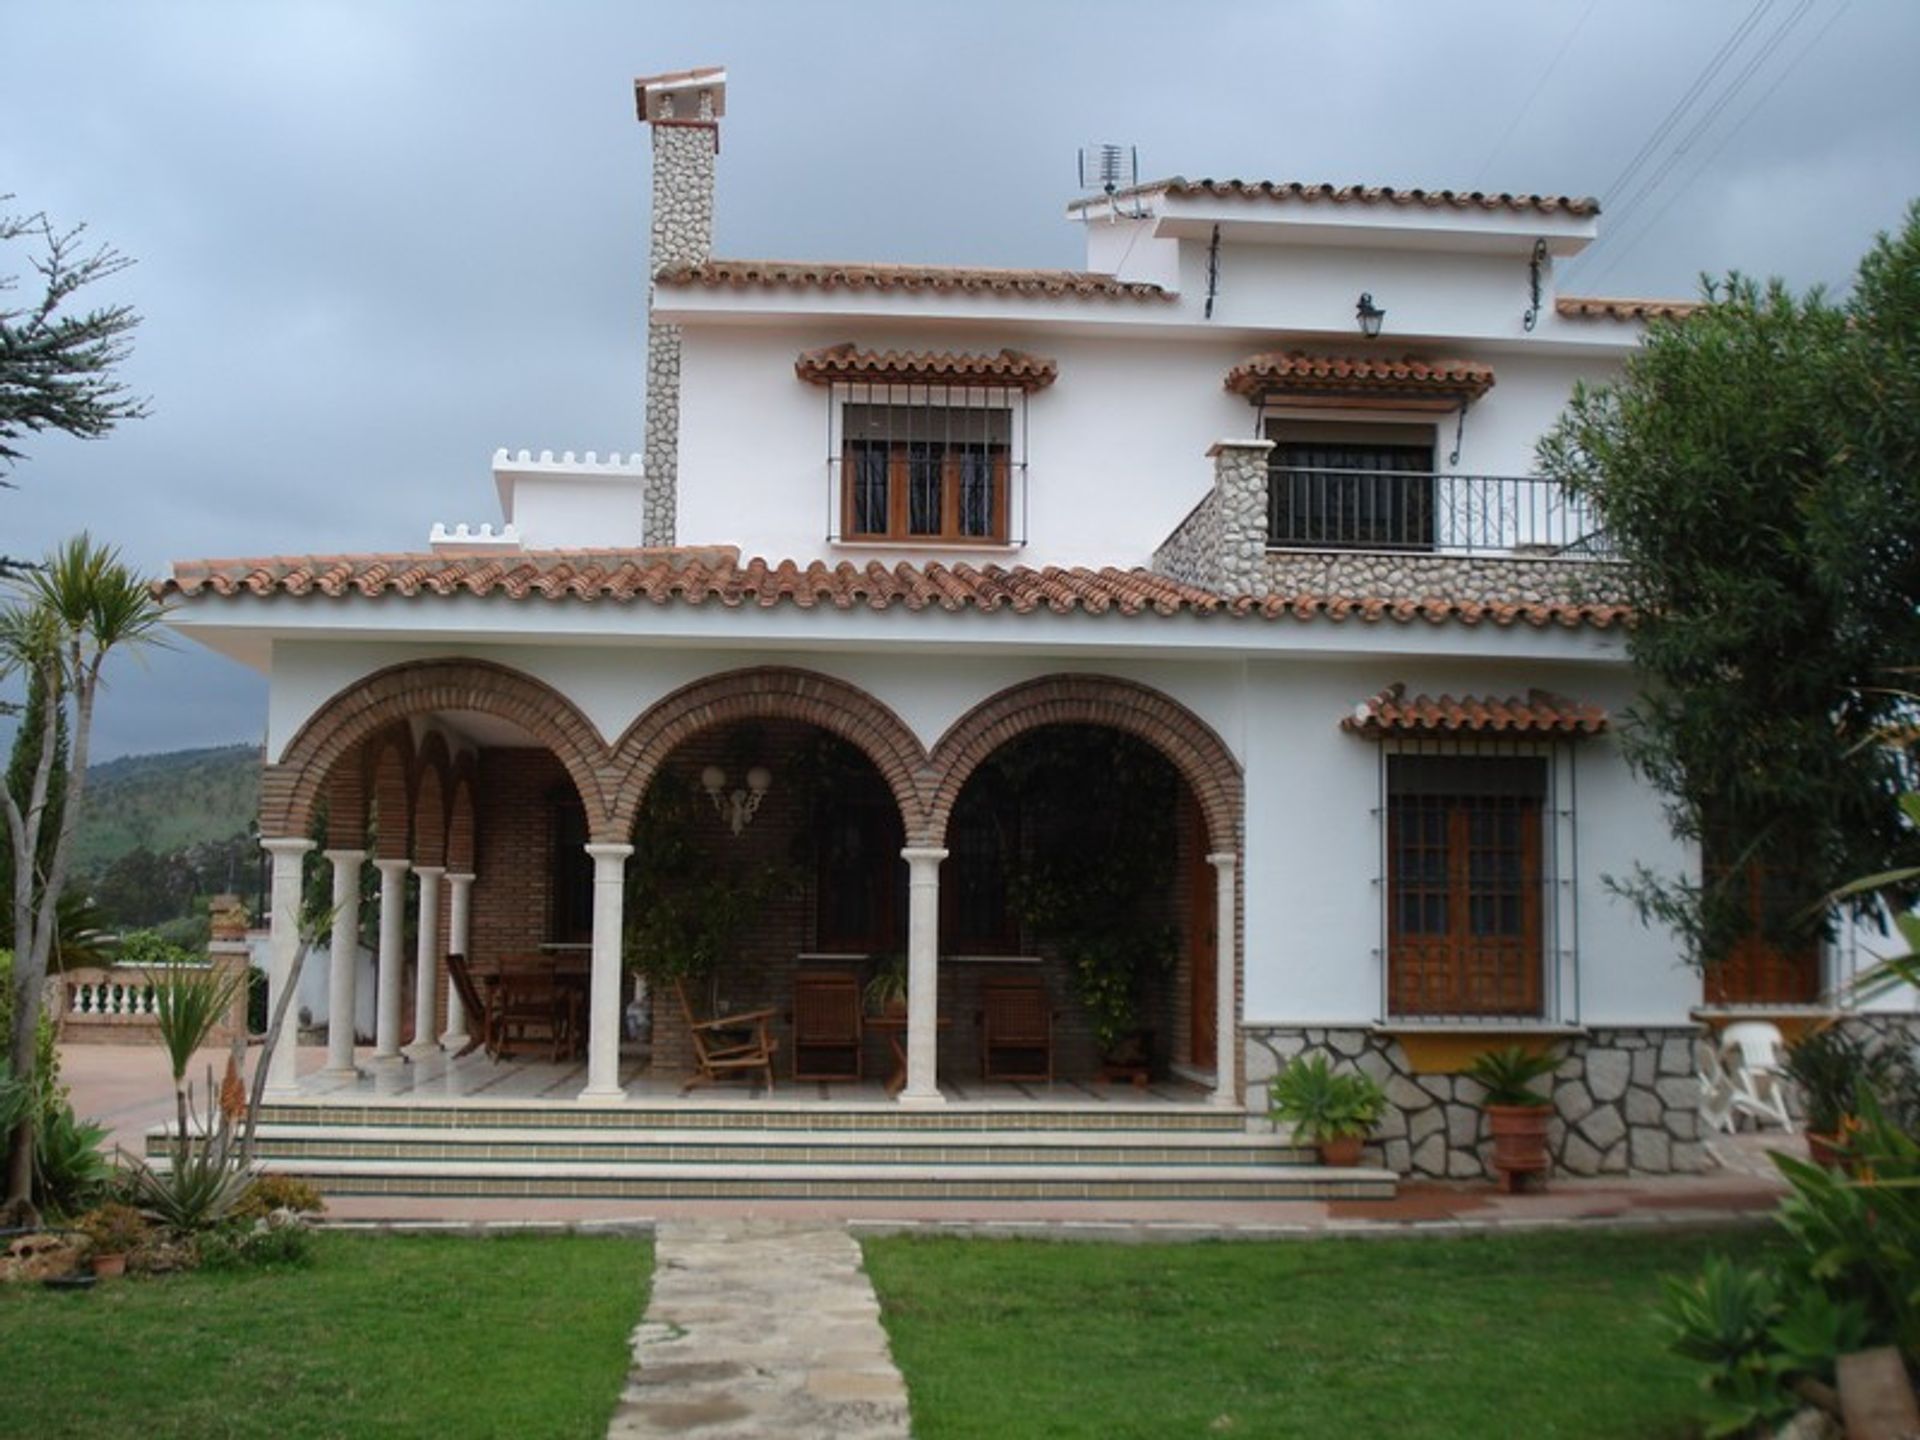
x: 926, y: 448
x: 926, y: 473
x: 1362, y: 486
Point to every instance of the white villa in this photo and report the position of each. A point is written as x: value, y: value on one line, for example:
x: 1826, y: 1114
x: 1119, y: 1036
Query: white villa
x: 927, y: 571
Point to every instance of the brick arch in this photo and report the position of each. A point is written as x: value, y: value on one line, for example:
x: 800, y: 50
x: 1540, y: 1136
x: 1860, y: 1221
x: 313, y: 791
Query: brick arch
x: 389, y: 765
x: 772, y: 693
x: 461, y: 849
x: 430, y: 786
x: 1193, y: 747
x: 290, y: 788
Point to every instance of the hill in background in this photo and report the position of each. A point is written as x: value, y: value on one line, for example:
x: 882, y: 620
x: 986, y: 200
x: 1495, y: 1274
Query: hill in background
x: 169, y: 802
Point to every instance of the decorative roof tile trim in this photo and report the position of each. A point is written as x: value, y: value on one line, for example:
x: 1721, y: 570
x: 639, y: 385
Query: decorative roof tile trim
x: 940, y: 279
x: 1391, y: 713
x: 1294, y: 190
x: 1013, y: 369
x: 1595, y: 307
x: 715, y: 575
x: 1295, y: 371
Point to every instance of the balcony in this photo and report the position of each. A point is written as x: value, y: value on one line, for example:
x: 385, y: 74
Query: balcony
x: 1420, y: 512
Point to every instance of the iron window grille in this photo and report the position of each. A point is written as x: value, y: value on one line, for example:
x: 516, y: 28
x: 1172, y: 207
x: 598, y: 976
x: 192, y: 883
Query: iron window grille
x: 1479, y: 905
x: 927, y: 464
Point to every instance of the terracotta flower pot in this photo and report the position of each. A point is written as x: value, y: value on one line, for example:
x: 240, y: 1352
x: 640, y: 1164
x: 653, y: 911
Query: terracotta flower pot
x: 1519, y: 1143
x: 1342, y: 1151
x: 107, y: 1266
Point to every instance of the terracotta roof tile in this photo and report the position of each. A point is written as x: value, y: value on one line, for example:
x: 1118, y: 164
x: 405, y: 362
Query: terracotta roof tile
x: 1295, y: 372
x: 1393, y: 713
x: 940, y: 279
x: 1594, y: 307
x: 716, y: 576
x: 1011, y: 368
x: 1294, y: 190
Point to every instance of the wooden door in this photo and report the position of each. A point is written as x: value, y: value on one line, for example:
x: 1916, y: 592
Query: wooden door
x: 1203, y: 941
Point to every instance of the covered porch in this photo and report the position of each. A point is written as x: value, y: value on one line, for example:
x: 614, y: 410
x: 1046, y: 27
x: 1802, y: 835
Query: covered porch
x: 503, y: 828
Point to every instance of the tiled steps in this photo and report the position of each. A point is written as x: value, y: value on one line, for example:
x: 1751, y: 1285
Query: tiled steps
x: 879, y: 1152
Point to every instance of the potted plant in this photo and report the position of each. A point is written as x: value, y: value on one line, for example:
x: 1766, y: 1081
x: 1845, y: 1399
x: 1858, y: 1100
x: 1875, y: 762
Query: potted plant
x: 886, y: 992
x: 1517, y: 1114
x: 115, y: 1230
x: 1830, y: 1067
x: 1335, y: 1111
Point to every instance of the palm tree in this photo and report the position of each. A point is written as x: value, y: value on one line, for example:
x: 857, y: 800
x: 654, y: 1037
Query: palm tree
x: 81, y: 604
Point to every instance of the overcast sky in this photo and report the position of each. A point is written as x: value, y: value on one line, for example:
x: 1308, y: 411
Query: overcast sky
x: 376, y: 241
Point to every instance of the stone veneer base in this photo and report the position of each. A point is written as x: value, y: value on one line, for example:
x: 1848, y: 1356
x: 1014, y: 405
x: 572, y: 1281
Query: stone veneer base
x: 1626, y: 1101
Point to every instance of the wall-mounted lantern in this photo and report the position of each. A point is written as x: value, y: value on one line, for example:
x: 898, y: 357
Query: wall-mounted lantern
x: 736, y: 807
x: 1370, y: 315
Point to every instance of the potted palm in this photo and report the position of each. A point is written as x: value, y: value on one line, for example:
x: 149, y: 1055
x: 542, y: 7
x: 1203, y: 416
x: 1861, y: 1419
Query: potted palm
x: 1830, y: 1068
x: 886, y: 992
x: 1334, y: 1111
x: 1517, y: 1114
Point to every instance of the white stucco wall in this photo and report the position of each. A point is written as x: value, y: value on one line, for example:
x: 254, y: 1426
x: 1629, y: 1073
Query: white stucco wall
x: 1116, y: 446
x: 1312, y: 843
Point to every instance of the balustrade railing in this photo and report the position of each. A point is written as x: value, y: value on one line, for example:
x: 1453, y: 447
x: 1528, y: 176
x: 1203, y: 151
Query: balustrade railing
x: 1314, y: 509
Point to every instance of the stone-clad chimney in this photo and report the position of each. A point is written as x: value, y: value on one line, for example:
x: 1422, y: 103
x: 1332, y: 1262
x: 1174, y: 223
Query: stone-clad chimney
x: 684, y: 109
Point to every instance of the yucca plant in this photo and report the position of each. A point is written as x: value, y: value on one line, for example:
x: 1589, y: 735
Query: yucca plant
x: 188, y: 1002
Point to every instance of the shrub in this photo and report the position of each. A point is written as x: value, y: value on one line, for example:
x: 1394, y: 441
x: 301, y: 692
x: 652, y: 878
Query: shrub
x: 244, y: 1247
x: 1321, y: 1104
x: 150, y: 949
x: 1846, y: 1283
x: 70, y: 1170
x: 278, y: 1192
x: 46, y: 1070
x: 114, y: 1229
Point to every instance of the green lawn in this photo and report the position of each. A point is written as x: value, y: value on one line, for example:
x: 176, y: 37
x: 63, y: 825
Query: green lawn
x: 385, y: 1336
x: 1535, y: 1335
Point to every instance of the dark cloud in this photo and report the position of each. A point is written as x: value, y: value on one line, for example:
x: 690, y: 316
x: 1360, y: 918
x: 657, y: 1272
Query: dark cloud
x: 376, y: 241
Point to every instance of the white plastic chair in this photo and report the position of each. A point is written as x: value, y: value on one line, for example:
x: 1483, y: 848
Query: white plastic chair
x: 1716, y: 1089
x: 1750, y: 1051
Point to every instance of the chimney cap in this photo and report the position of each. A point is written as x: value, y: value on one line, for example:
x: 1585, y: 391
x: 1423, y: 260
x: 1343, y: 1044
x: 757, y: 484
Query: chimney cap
x: 650, y: 90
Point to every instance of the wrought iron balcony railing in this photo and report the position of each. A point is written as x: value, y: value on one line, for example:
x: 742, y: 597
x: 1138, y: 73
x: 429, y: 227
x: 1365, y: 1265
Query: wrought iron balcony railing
x: 1322, y: 509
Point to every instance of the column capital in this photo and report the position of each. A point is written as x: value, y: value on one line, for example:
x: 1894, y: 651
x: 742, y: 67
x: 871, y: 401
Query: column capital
x: 461, y: 877
x: 1223, y: 860
x: 345, y: 857
x: 602, y: 850
x: 389, y: 865
x: 430, y: 872
x: 923, y: 855
x: 287, y: 845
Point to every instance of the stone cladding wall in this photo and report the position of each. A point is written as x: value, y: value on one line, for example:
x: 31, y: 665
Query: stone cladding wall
x: 683, y: 178
x: 1485, y: 579
x: 1626, y: 1101
x: 1192, y: 552
x: 1240, y: 482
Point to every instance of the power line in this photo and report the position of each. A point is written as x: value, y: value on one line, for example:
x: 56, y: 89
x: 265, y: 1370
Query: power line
x: 1700, y: 127
x: 1532, y: 95
x: 1700, y: 82
x: 1792, y: 65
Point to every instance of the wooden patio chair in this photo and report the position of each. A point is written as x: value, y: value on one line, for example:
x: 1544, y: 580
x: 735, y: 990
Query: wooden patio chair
x: 828, y: 1033
x: 1016, y: 1029
x: 531, y: 1007
x: 728, y: 1045
x: 479, y: 1016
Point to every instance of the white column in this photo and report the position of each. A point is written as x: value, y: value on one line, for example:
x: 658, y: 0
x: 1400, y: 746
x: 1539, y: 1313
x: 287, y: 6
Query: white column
x: 459, y: 936
x: 344, y: 950
x: 393, y: 933
x: 923, y: 976
x: 603, y: 995
x: 426, y: 955
x: 283, y: 1073
x: 1226, y: 1022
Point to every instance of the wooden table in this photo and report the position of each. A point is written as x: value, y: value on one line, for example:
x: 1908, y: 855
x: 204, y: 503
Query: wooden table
x: 895, y: 1029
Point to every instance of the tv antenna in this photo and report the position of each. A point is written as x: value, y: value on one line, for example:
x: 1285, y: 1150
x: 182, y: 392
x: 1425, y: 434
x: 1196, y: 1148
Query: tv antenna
x: 1111, y: 169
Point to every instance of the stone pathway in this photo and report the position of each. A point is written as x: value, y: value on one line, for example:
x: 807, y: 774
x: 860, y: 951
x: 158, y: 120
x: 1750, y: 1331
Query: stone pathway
x: 760, y: 1328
